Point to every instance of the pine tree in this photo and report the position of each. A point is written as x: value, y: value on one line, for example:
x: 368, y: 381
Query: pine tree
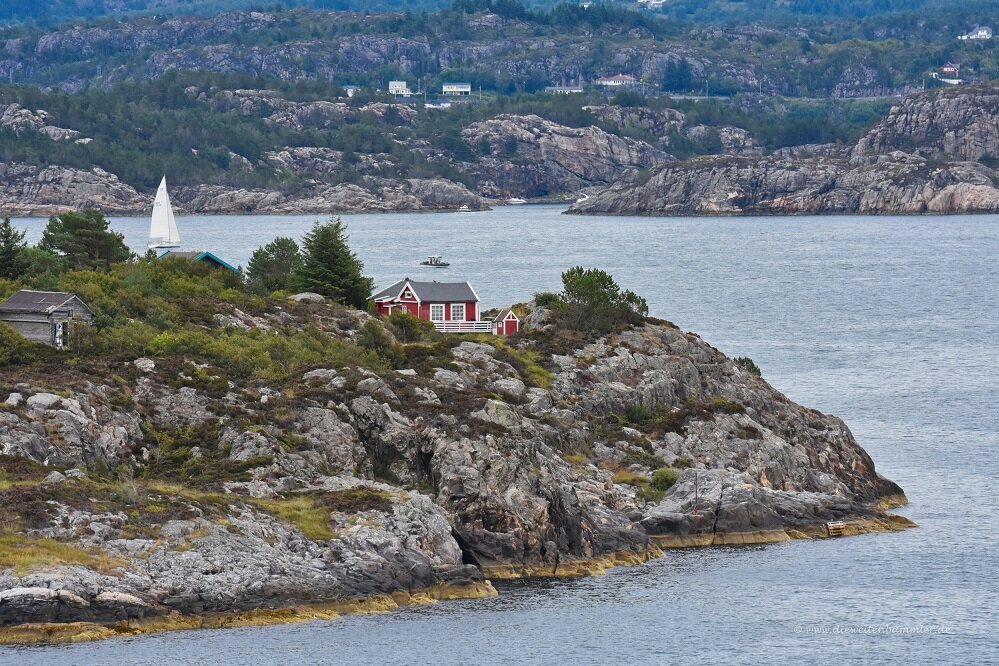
x: 330, y: 268
x: 13, y: 262
x: 84, y: 241
x: 271, y: 267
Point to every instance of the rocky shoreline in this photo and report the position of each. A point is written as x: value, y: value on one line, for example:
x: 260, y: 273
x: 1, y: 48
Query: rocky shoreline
x: 167, y: 493
x: 933, y: 153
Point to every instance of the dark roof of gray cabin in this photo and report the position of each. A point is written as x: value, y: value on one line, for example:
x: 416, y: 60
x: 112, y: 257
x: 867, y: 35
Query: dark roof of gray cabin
x: 437, y: 292
x: 41, y: 302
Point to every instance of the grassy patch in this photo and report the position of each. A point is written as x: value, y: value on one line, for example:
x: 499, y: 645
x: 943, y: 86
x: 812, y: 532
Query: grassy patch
x: 23, y: 554
x: 310, y: 512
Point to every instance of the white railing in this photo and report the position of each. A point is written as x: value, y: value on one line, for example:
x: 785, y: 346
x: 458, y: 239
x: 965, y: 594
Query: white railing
x: 464, y: 326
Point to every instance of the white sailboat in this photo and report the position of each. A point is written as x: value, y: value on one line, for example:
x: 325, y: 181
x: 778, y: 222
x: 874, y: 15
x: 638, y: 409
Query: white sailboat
x: 162, y: 227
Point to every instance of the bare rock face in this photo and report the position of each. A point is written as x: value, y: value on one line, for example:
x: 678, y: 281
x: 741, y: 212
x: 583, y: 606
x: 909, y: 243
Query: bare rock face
x: 376, y: 195
x: 922, y: 158
x: 551, y: 158
x: 31, y: 190
x: 899, y: 184
x: 659, y: 122
x: 959, y: 123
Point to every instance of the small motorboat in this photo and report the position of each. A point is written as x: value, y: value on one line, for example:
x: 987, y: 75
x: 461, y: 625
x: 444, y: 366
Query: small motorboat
x: 463, y: 208
x: 516, y: 201
x: 435, y: 261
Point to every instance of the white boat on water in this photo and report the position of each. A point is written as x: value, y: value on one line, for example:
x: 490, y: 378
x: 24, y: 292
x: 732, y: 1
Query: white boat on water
x: 516, y: 201
x: 162, y: 226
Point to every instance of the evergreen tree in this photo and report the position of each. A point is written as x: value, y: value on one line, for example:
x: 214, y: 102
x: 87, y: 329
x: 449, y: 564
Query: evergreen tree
x: 271, y: 267
x: 13, y: 262
x: 83, y: 240
x: 330, y: 268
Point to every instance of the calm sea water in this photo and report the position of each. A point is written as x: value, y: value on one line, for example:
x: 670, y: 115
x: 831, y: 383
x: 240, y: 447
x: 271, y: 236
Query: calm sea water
x: 890, y: 323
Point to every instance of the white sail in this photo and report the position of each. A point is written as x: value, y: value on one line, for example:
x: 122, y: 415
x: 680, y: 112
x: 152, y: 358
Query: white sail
x: 163, y: 227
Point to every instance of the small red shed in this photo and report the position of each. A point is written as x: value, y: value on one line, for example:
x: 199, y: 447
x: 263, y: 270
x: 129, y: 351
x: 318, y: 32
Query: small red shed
x: 506, y: 322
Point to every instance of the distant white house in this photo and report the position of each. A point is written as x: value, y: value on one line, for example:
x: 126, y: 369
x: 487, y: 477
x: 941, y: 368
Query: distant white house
x: 457, y: 89
x: 564, y: 90
x: 399, y: 88
x: 350, y: 90
x: 981, y: 32
x: 616, y: 80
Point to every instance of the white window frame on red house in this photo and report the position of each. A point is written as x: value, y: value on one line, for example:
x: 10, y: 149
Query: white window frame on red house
x: 443, y: 311
x: 451, y: 312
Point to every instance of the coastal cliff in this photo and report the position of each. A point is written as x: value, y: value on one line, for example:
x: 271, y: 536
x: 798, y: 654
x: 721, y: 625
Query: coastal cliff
x: 196, y: 486
x: 931, y: 154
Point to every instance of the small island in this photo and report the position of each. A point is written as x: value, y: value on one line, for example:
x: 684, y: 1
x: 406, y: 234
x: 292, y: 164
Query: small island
x: 209, y: 449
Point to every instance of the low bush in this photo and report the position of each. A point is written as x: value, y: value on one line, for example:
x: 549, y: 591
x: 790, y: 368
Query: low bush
x: 408, y: 328
x: 748, y: 365
x: 664, y: 478
x: 14, y: 348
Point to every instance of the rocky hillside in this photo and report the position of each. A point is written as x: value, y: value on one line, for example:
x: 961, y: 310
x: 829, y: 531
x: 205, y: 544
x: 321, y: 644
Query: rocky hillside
x: 529, y: 156
x: 167, y: 489
x: 922, y: 158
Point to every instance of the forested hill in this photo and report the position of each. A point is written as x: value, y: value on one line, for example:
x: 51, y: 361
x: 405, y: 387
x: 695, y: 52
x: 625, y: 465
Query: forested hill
x: 699, y: 11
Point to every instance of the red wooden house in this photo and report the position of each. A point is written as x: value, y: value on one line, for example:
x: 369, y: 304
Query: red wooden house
x: 452, y: 306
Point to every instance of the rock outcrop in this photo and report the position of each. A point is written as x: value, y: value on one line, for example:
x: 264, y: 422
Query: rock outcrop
x: 898, y: 183
x: 31, y: 190
x: 922, y: 158
x: 956, y: 123
x: 348, y: 484
x: 529, y: 156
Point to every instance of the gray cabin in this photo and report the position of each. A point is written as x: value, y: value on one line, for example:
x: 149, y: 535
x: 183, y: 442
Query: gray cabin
x: 44, y: 316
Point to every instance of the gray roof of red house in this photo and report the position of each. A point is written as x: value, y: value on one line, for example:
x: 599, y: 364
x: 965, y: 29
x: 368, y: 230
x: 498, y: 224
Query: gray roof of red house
x: 437, y: 292
x: 41, y: 302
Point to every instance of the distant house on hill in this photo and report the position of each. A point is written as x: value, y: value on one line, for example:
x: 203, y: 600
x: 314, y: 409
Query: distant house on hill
x: 45, y: 316
x: 457, y: 89
x: 616, y: 81
x: 351, y: 90
x: 981, y: 32
x: 399, y: 89
x: 203, y: 256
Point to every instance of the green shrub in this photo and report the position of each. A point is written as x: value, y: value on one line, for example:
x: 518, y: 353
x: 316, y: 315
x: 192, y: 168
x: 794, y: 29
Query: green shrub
x: 638, y: 414
x: 546, y: 299
x: 664, y: 478
x: 14, y: 349
x: 373, y: 337
x: 748, y: 365
x: 411, y: 329
x: 592, y: 301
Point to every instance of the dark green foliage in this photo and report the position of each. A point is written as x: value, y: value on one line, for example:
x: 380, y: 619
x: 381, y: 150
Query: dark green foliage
x: 664, y: 478
x: 373, y: 337
x: 748, y: 365
x: 83, y: 240
x: 271, y: 267
x: 330, y: 268
x: 638, y: 414
x: 13, y: 263
x: 408, y: 328
x: 14, y: 349
x: 592, y: 301
x: 546, y: 299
